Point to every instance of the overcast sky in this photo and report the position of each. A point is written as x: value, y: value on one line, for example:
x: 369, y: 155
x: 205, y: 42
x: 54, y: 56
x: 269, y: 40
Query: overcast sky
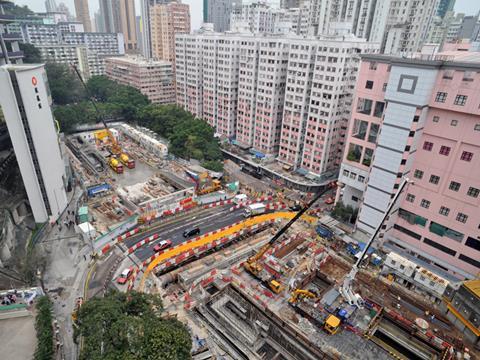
x: 469, y: 7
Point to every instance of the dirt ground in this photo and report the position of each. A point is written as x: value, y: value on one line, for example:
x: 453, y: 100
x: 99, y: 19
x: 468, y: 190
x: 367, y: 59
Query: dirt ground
x: 18, y: 338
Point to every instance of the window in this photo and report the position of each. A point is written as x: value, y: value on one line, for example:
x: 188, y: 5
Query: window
x: 359, y: 130
x: 460, y: 100
x: 406, y: 231
x: 367, y: 157
x: 439, y: 247
x: 354, y: 198
x: 384, y: 87
x: 444, y: 211
x: 346, y: 172
x: 364, y: 106
x: 454, y: 122
x: 454, y: 186
x: 441, y: 230
x: 361, y: 178
x: 441, y: 97
x: 444, y: 150
x: 354, y: 152
x: 466, y: 156
x: 473, y: 243
x: 412, y: 218
x: 372, y: 135
x: 369, y: 84
x: 418, y: 174
x: 378, y: 111
x: 434, y: 179
x: 473, y: 192
x: 469, y: 260
x: 373, y: 65
x: 425, y: 204
x: 427, y: 145
x: 436, y: 119
x: 462, y: 217
x: 477, y: 127
x: 410, y: 198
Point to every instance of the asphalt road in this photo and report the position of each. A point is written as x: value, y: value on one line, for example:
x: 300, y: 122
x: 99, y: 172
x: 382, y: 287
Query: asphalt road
x: 207, y: 221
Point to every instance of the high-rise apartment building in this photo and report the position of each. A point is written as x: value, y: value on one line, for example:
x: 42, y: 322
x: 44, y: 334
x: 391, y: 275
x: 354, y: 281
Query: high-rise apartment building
x: 154, y: 78
x: 83, y: 14
x: 57, y: 43
x: 167, y: 20
x: 50, y: 6
x: 445, y: 6
x: 418, y: 119
x: 280, y: 96
x: 11, y: 39
x: 119, y: 16
x: 25, y: 102
x: 217, y: 12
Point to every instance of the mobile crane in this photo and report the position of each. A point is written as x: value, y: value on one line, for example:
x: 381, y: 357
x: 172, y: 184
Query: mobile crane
x: 253, y: 265
x: 118, y: 156
x: 346, y: 288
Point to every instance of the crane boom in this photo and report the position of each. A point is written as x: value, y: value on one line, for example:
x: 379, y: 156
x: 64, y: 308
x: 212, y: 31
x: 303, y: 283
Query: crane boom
x: 252, y: 260
x: 116, y: 149
x: 346, y: 288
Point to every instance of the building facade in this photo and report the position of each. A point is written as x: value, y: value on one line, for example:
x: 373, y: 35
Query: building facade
x: 118, y: 16
x: 167, y: 20
x: 282, y: 96
x: 67, y: 43
x: 11, y: 53
x: 25, y: 102
x: 83, y: 14
x: 429, y: 131
x: 217, y: 12
x: 154, y: 78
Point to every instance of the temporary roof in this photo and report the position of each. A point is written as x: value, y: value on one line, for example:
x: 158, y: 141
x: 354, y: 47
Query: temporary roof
x: 86, y: 227
x: 473, y: 286
x: 83, y: 210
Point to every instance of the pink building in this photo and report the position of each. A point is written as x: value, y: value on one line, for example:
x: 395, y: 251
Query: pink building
x: 430, y: 133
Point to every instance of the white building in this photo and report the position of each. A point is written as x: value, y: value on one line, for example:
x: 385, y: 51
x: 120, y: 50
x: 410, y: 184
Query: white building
x: 26, y: 103
x: 286, y: 96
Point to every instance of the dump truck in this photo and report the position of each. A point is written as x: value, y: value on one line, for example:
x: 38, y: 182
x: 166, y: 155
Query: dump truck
x: 127, y: 161
x: 115, y: 165
x: 254, y: 209
x: 321, y: 318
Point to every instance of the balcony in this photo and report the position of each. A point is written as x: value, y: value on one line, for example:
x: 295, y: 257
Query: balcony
x: 13, y: 55
x: 12, y: 36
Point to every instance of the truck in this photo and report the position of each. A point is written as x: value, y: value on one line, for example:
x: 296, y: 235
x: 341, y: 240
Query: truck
x: 324, y: 232
x: 125, y: 159
x: 254, y: 209
x: 115, y: 165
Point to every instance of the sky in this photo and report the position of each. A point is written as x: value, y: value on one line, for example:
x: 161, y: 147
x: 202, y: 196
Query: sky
x: 469, y: 7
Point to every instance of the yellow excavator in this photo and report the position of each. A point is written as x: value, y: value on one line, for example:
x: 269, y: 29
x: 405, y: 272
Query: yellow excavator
x: 118, y: 156
x: 253, y: 265
x: 301, y: 294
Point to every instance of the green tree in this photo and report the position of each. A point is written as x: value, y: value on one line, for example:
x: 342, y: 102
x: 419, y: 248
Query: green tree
x: 129, y: 326
x: 65, y: 86
x: 15, y: 10
x: 31, y: 55
x: 44, y: 328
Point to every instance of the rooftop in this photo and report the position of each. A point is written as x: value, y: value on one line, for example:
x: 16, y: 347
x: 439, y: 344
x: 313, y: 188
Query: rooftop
x: 139, y: 61
x: 473, y: 286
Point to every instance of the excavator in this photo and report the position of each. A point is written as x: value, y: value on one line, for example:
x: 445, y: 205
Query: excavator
x: 301, y: 294
x: 253, y: 264
x: 118, y: 156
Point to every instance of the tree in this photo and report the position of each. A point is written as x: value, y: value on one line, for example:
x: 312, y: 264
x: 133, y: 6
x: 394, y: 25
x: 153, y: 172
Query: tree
x: 64, y: 84
x: 31, y: 55
x: 44, y: 328
x: 129, y: 326
x: 15, y: 10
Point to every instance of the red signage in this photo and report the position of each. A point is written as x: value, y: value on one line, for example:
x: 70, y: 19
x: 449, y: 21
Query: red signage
x: 34, y: 81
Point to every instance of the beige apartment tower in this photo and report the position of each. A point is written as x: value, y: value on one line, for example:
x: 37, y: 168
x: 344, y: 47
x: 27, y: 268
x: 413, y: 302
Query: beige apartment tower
x: 83, y: 15
x: 167, y: 20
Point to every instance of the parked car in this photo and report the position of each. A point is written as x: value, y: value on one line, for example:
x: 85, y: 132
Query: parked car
x: 191, y: 232
x: 125, y: 276
x: 162, y: 245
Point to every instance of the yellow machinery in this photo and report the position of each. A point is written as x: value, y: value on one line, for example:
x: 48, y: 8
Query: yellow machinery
x: 332, y: 324
x: 253, y: 265
x: 115, y: 165
x: 301, y: 294
x: 78, y: 304
x: 115, y: 148
x: 206, y: 184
